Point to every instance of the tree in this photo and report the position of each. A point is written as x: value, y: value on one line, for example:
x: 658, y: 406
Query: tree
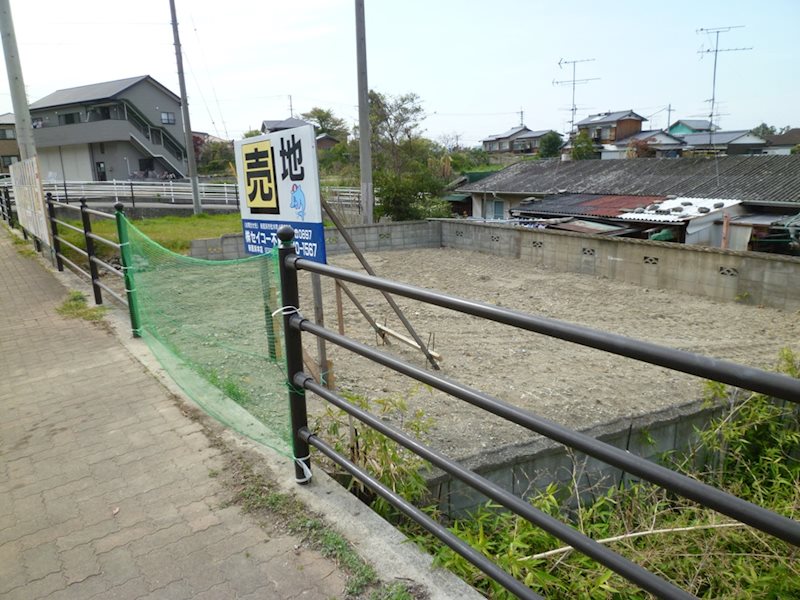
x: 582, y: 146
x: 215, y: 157
x: 764, y: 129
x: 326, y: 122
x: 550, y: 145
x: 251, y: 133
x: 395, y: 121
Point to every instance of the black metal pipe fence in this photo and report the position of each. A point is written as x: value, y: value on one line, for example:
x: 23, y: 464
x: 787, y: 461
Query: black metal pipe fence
x: 6, y: 210
x: 753, y: 379
x: 94, y: 264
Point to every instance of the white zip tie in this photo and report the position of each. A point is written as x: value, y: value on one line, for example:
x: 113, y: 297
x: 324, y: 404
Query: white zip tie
x: 306, y: 469
x: 286, y: 310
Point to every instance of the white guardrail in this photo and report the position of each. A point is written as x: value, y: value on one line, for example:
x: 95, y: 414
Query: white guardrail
x: 171, y: 192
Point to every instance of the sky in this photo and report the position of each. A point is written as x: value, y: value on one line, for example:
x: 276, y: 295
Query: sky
x: 475, y: 64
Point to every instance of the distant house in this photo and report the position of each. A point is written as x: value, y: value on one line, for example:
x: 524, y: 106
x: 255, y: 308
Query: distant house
x: 608, y: 127
x: 684, y: 126
x: 110, y: 130
x: 652, y: 143
x: 783, y: 143
x: 756, y: 181
x: 9, y: 150
x: 326, y: 141
x: 519, y: 140
x: 281, y: 124
x: 730, y: 143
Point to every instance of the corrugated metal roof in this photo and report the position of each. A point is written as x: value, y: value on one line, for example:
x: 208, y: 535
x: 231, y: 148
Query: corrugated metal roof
x: 677, y: 210
x: 587, y: 205
x: 764, y: 178
x: 90, y: 93
x: 581, y: 226
x: 610, y: 117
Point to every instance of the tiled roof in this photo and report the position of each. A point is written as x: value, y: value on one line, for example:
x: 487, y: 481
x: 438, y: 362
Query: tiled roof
x: 610, y: 117
x: 753, y: 179
x: 707, y: 138
x: 697, y: 124
x: 534, y: 134
x: 92, y: 92
x: 505, y: 134
x: 790, y: 138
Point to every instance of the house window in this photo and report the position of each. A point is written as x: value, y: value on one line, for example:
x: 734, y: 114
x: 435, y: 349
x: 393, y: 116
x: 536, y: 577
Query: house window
x: 69, y: 118
x: 493, y: 209
x: 168, y: 118
x: 37, y: 123
x: 155, y: 136
x: 8, y: 134
x: 9, y: 160
x: 503, y: 145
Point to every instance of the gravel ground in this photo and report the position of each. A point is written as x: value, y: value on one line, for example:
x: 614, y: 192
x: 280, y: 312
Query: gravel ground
x: 567, y: 383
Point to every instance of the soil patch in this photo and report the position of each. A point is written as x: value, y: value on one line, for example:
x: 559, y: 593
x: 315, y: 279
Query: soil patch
x: 575, y: 386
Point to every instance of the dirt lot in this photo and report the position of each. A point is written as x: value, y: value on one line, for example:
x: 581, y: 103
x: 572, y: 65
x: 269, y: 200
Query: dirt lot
x: 564, y: 382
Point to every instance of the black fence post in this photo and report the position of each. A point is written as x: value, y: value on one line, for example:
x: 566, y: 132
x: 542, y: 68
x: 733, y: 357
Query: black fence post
x: 87, y: 234
x: 133, y: 196
x: 294, y: 357
x: 51, y: 211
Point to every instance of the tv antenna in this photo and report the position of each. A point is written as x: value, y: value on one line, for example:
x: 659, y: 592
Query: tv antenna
x: 716, y: 50
x: 573, y: 82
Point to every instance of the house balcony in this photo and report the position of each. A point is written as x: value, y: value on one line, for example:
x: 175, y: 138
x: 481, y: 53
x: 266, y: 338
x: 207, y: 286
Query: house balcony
x: 149, y: 140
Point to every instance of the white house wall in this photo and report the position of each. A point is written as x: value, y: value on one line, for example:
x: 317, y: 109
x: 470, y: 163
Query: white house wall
x: 76, y: 159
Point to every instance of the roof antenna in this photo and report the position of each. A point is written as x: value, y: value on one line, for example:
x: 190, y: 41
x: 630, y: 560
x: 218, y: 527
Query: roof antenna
x: 573, y: 82
x: 716, y: 50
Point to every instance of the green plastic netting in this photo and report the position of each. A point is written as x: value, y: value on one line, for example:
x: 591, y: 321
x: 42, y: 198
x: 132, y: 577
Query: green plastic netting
x: 210, y: 325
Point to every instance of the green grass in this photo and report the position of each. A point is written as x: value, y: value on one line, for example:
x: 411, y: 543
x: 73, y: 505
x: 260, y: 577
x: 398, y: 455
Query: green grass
x: 75, y: 307
x: 173, y: 232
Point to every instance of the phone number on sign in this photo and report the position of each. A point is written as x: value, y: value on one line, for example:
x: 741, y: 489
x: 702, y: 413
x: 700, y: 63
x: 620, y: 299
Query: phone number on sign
x: 306, y: 248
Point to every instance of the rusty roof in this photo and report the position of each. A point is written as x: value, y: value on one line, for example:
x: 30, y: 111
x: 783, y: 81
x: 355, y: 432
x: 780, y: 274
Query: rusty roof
x: 589, y: 205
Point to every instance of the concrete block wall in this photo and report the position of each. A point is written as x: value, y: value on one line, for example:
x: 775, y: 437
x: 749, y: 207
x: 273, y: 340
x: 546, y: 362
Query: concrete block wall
x: 650, y: 437
x: 728, y: 276
x: 368, y: 238
x: 724, y: 275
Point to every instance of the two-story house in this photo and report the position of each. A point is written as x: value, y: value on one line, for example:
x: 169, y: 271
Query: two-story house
x: 608, y: 127
x: 519, y: 140
x: 112, y: 130
x: 9, y: 150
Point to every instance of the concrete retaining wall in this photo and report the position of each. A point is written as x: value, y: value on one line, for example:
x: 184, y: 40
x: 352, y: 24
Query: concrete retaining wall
x: 368, y: 238
x: 748, y: 277
x: 525, y: 469
x: 728, y: 276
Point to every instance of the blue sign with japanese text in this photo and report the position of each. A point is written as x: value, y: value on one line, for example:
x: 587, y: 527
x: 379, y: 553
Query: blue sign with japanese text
x: 279, y: 184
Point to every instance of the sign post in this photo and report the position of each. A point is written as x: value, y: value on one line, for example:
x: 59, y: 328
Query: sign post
x: 279, y: 185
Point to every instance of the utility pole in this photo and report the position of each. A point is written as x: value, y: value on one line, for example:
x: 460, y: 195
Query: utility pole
x: 19, y: 99
x: 187, y: 125
x: 573, y: 82
x: 364, y: 130
x: 291, y: 108
x: 521, y: 116
x: 716, y: 50
x: 669, y: 116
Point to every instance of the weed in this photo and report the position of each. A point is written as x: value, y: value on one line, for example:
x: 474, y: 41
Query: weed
x: 75, y: 307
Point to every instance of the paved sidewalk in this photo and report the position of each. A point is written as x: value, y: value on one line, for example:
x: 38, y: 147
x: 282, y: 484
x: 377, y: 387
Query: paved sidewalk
x: 104, y: 483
